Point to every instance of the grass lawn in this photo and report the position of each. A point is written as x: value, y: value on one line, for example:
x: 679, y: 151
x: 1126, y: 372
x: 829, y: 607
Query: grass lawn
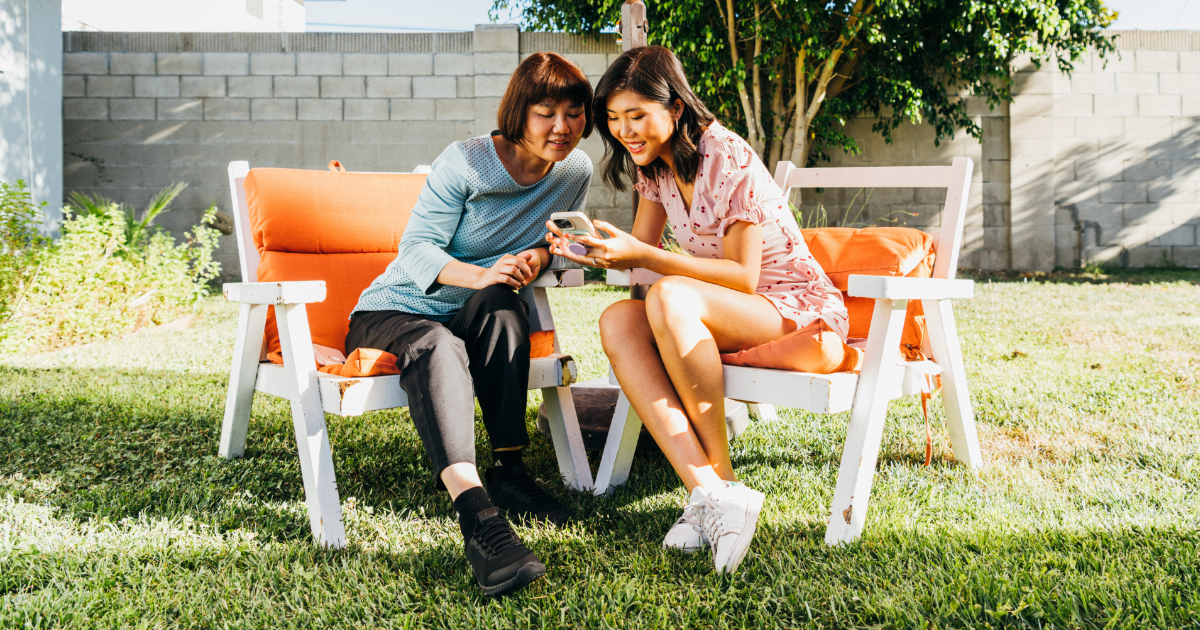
x: 115, y: 510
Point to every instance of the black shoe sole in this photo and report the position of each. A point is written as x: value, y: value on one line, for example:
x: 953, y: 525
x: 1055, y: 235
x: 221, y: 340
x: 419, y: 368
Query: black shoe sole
x: 526, y: 574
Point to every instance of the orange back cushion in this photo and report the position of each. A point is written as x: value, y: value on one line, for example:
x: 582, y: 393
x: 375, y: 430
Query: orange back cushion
x: 880, y: 251
x: 342, y: 228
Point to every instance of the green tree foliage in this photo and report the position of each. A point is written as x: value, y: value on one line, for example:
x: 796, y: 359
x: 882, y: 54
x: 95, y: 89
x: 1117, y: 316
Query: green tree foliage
x: 20, y: 241
x: 787, y: 74
x: 108, y: 275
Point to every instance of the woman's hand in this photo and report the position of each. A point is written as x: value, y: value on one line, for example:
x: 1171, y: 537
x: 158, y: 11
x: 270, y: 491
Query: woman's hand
x: 619, y: 251
x: 513, y: 270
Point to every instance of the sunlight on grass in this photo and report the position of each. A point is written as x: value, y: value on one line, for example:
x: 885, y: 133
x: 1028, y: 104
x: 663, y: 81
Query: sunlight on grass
x: 115, y: 510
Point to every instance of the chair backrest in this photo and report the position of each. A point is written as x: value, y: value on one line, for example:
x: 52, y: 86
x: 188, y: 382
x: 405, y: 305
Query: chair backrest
x: 343, y: 228
x: 956, y: 179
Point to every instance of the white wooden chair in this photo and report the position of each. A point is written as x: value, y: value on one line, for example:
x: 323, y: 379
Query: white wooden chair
x: 884, y: 375
x: 313, y: 394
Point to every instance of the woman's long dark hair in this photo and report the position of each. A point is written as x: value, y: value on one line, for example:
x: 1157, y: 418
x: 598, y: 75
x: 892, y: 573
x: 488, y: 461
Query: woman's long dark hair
x: 654, y: 73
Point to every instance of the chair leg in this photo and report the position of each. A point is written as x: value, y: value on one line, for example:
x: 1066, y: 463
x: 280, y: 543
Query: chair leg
x: 620, y: 447
x: 956, y: 397
x: 879, y: 373
x: 308, y: 420
x: 762, y: 412
x: 242, y: 375
x: 568, y: 441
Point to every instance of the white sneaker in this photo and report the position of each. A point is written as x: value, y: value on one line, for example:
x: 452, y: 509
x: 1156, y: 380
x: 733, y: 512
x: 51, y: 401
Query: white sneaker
x: 728, y: 518
x: 685, y: 535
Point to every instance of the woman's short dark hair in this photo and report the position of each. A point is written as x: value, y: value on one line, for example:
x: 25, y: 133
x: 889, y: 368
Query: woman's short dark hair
x: 654, y: 73
x: 542, y: 77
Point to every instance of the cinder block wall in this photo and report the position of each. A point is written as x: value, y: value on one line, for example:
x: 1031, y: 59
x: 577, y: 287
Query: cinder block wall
x: 1098, y: 166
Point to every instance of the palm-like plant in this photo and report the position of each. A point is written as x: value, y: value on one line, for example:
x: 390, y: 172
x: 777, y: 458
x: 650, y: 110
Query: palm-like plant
x: 137, y: 229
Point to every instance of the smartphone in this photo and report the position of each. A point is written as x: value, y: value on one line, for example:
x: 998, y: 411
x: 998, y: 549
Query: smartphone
x: 574, y: 222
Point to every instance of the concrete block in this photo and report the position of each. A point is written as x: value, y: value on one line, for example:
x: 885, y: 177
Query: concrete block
x: 297, y: 87
x: 329, y: 132
x: 226, y: 63
x: 466, y: 87
x: 247, y: 87
x: 1074, y: 105
x: 439, y: 133
x: 1116, y: 61
x: 496, y: 38
x: 343, y: 87
x: 362, y: 64
x: 180, y: 109
x: 180, y: 63
x: 1093, y: 83
x: 1137, y: 83
x: 435, y: 87
x: 156, y: 87
x: 1037, y: 148
x: 110, y: 86
x: 362, y: 157
x: 1101, y: 127
x: 995, y: 192
x: 145, y: 154
x: 591, y: 64
x: 1185, y: 170
x: 1157, y: 60
x: 389, y: 87
x: 410, y: 64
x: 1178, y: 83
x: 1116, y: 105
x: 273, y: 109
x: 273, y: 64
x: 206, y: 87
x: 1032, y: 127
x: 1033, y: 247
x: 1186, y: 256
x: 403, y: 158
x: 1168, y: 191
x: 995, y: 171
x: 455, y: 109
x: 1159, y: 104
x: 74, y: 85
x: 1024, y: 83
x: 1124, y: 192
x: 1144, y: 221
x: 1185, y: 213
x: 490, y: 85
x: 1176, y: 236
x: 454, y: 64
x: 1189, y: 61
x: 366, y: 109
x: 131, y: 63
x: 85, y: 63
x: 319, y: 63
x: 227, y: 109
x: 1064, y: 126
x: 1147, y: 170
x: 1190, y: 105
x: 319, y: 109
x: 1030, y: 105
x: 413, y: 109
x: 131, y: 108
x: 496, y: 63
x: 486, y: 110
x: 1062, y: 83
x: 1089, y: 167
x: 1148, y: 127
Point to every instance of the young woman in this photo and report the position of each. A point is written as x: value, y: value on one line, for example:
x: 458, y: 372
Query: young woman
x: 446, y: 307
x: 749, y: 280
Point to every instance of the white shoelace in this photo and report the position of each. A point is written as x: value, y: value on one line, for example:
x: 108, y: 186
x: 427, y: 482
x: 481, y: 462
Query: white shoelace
x: 691, y: 517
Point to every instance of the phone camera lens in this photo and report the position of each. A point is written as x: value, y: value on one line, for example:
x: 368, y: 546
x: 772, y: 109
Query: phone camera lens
x: 563, y: 224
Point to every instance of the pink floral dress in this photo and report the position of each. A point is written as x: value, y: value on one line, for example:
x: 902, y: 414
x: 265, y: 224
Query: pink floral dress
x: 733, y: 185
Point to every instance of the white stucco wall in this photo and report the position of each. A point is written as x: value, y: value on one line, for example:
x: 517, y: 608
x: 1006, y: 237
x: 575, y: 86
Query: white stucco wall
x: 31, y: 144
x: 191, y: 16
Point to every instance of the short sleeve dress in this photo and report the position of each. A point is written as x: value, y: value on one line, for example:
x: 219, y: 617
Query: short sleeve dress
x: 732, y: 184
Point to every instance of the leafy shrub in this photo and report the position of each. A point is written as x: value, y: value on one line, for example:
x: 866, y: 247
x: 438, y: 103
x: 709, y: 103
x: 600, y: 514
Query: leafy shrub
x: 20, y: 242
x: 109, y: 275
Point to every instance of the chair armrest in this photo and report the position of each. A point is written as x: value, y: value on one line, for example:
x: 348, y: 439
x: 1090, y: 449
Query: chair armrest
x: 635, y: 277
x: 559, y: 278
x: 292, y: 292
x: 890, y: 288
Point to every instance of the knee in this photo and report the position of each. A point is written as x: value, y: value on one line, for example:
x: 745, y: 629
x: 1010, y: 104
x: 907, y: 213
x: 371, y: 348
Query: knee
x: 441, y: 342
x: 621, y: 323
x: 670, y: 298
x: 506, y: 307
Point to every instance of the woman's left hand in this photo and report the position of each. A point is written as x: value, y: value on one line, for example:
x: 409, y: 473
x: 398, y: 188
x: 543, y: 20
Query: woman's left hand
x: 619, y: 251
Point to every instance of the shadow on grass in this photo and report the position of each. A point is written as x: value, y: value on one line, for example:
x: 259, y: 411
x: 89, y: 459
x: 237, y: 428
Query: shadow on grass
x: 1096, y: 275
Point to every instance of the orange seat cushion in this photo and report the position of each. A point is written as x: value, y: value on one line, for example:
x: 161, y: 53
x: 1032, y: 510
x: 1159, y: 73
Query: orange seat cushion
x: 815, y: 349
x: 342, y: 228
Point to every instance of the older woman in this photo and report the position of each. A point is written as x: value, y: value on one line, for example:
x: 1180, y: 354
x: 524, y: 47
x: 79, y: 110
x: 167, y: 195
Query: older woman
x: 448, y: 309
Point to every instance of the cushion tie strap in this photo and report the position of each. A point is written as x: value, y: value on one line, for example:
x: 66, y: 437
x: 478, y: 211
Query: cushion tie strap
x: 336, y: 167
x: 933, y: 383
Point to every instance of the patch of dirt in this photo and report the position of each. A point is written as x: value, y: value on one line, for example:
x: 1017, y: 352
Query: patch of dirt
x: 1019, y: 444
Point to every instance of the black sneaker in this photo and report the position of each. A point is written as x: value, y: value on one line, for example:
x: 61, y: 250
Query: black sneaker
x: 501, y: 562
x: 516, y: 493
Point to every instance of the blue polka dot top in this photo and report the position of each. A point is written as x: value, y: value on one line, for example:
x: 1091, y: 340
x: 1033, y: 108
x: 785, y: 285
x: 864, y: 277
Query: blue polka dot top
x: 473, y: 211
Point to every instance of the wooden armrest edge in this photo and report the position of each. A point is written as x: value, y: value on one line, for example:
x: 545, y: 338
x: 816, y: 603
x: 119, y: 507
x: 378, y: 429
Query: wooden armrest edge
x: 891, y: 288
x: 290, y: 292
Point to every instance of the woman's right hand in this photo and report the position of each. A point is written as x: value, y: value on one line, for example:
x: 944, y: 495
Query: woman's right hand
x: 511, y: 270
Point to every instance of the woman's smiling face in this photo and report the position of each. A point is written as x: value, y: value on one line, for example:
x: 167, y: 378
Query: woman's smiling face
x: 553, y: 130
x: 643, y: 126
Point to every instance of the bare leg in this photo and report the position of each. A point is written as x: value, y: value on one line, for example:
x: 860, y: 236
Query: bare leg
x: 685, y: 413
x: 459, y: 478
